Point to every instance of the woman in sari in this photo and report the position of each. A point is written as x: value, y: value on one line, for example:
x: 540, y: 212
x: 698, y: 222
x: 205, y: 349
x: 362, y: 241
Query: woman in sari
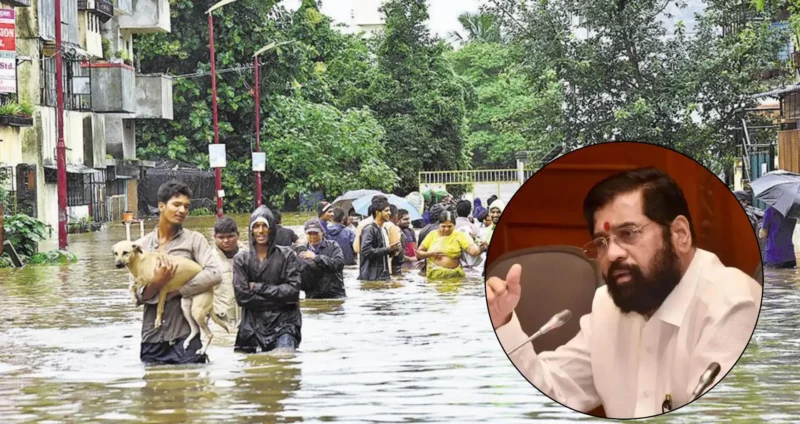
x: 443, y: 249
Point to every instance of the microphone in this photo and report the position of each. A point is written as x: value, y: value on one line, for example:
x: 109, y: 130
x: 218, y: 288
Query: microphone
x: 557, y: 321
x: 705, y: 380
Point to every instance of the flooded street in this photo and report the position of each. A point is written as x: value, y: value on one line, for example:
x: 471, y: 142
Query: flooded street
x: 400, y: 351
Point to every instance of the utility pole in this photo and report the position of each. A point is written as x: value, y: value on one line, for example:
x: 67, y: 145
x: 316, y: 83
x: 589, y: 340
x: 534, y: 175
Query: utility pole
x: 61, y: 148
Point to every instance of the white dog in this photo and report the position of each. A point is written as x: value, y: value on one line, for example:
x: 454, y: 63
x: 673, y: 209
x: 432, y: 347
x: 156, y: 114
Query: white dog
x: 142, y: 266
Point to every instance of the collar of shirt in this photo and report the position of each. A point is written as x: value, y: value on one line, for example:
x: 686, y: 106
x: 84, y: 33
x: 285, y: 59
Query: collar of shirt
x: 675, y: 305
x: 315, y: 249
x: 154, y: 237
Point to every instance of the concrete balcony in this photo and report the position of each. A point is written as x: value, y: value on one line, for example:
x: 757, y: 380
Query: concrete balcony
x: 18, y: 3
x: 123, y: 7
x: 112, y: 87
x: 102, y: 8
x: 153, y: 96
x: 147, y: 16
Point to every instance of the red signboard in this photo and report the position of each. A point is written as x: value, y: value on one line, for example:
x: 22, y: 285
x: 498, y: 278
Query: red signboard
x: 8, y: 31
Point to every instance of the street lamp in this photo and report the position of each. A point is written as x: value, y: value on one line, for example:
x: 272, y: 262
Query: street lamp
x: 257, y: 73
x: 217, y: 171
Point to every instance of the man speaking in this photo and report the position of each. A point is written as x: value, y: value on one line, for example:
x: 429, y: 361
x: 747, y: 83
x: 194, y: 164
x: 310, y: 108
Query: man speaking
x: 667, y: 313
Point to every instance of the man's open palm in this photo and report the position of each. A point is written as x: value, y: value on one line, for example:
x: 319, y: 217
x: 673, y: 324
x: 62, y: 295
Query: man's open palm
x: 502, y: 296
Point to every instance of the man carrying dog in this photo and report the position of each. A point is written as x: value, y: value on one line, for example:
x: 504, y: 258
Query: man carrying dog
x: 266, y: 280
x: 164, y: 345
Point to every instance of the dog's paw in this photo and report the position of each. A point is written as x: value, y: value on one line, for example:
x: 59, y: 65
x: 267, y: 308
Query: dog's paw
x: 186, y: 343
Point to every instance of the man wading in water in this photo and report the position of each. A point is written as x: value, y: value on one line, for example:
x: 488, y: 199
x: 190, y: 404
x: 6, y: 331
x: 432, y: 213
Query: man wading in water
x: 164, y: 345
x: 266, y: 280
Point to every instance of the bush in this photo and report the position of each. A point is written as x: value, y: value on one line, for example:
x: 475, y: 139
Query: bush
x: 25, y: 232
x: 201, y: 212
x: 53, y: 257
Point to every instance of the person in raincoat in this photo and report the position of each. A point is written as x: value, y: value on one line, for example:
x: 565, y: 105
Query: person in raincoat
x: 443, y: 249
x: 375, y: 249
x: 778, y: 230
x: 321, y: 263
x: 266, y: 281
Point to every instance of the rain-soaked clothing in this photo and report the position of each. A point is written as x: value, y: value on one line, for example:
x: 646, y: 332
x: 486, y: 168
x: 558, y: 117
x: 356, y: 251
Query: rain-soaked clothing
x: 344, y: 237
x: 162, y: 343
x: 374, y: 264
x: 452, y: 246
x: 321, y: 277
x: 272, y: 308
x: 779, y: 249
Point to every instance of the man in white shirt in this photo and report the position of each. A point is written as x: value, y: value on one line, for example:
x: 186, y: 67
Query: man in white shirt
x: 668, y: 309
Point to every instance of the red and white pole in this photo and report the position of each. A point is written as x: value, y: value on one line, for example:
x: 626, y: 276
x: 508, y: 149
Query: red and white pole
x: 217, y: 171
x: 258, y: 129
x: 61, y: 148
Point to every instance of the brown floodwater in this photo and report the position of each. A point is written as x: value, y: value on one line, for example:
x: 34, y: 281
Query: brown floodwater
x: 408, y: 350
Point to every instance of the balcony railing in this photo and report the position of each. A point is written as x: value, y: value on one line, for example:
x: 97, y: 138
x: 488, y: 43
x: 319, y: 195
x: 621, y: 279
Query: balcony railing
x: 102, y: 8
x: 77, y: 84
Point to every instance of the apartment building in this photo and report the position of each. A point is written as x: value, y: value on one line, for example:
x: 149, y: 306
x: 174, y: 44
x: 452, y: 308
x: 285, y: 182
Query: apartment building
x: 104, y: 96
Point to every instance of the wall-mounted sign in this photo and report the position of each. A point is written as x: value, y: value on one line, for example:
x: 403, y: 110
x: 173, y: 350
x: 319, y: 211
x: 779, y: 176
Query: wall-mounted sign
x: 216, y: 155
x: 259, y: 161
x: 8, y: 51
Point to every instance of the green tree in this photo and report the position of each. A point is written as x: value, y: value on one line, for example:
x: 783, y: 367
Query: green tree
x: 626, y: 76
x: 298, y: 71
x: 317, y: 147
x: 514, y: 112
x: 417, y: 96
x: 482, y: 26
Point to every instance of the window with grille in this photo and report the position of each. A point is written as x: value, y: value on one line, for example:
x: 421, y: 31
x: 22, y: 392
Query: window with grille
x: 77, y: 83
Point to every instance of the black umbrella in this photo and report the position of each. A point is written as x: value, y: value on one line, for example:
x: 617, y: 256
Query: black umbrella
x: 781, y: 190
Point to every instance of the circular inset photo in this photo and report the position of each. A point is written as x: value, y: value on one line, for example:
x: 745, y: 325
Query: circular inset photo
x: 624, y: 280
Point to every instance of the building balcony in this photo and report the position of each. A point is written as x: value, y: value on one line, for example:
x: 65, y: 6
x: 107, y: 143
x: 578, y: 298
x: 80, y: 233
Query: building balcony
x: 147, y: 16
x: 102, y: 8
x: 123, y: 7
x: 112, y: 87
x: 18, y: 3
x: 153, y: 97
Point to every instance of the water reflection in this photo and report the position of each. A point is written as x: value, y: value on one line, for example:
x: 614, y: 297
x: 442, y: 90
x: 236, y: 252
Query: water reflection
x: 403, y: 350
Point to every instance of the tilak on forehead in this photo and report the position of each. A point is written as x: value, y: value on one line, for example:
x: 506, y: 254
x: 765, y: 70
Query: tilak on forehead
x: 606, y: 226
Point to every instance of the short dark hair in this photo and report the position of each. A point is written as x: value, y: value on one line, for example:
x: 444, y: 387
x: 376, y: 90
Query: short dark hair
x: 463, y: 208
x: 447, y: 215
x: 226, y: 225
x: 338, y: 215
x: 401, y: 213
x: 172, y: 189
x: 320, y: 207
x: 379, y: 203
x: 278, y: 217
x: 662, y: 197
x: 393, y: 209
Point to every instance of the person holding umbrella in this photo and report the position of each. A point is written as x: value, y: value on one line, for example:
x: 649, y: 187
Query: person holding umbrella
x: 781, y: 191
x: 778, y: 230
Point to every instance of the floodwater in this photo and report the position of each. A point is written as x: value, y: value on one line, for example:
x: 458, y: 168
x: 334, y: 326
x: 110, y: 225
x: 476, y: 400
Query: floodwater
x: 401, y: 351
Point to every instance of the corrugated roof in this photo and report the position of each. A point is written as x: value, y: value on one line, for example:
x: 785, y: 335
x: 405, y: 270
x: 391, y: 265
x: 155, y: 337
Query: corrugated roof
x: 778, y: 92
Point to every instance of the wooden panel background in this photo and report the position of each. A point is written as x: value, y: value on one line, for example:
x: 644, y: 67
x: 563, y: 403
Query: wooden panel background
x: 789, y: 150
x: 548, y: 208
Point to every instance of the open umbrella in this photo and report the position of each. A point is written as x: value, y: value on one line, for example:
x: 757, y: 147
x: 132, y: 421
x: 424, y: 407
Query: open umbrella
x: 781, y: 190
x: 345, y: 201
x: 361, y: 205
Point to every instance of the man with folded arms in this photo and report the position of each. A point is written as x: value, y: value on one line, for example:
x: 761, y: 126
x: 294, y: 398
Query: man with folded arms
x: 668, y: 309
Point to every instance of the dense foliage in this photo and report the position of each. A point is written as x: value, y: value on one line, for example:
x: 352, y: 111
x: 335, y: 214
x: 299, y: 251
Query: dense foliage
x: 343, y: 111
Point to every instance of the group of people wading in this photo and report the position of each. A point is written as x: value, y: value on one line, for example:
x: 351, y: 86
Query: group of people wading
x: 257, y: 288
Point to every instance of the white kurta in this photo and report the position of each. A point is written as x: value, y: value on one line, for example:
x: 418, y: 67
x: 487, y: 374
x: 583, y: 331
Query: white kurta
x: 628, y: 364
